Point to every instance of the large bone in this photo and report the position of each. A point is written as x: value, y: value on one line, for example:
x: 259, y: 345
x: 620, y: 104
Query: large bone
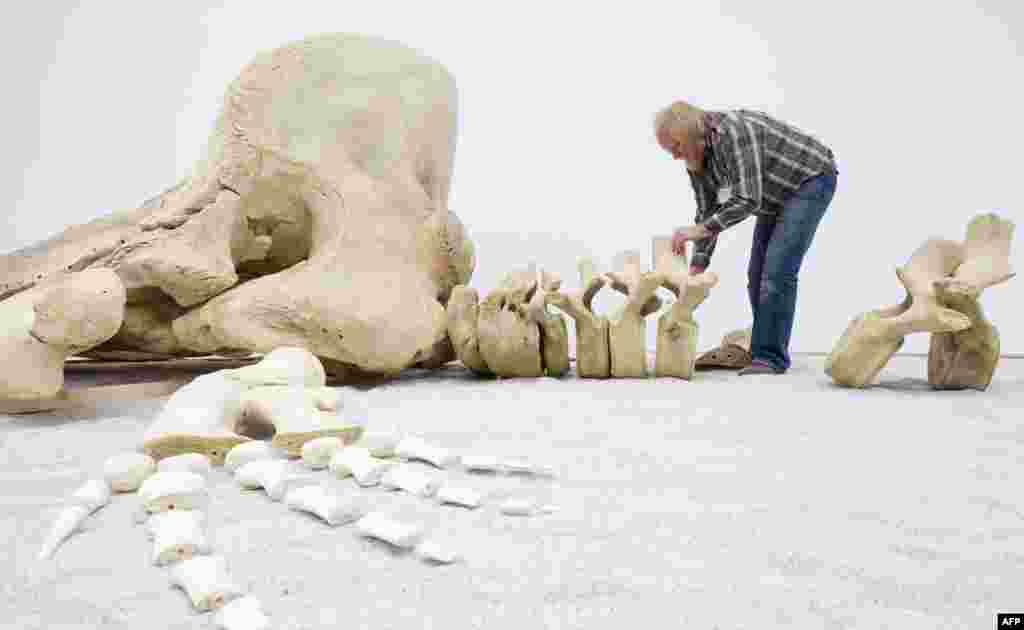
x: 872, y: 338
x: 554, y: 335
x: 206, y: 581
x: 510, y: 342
x: 968, y: 358
x: 676, y: 351
x: 627, y: 330
x: 43, y: 326
x: 462, y: 313
x: 297, y: 415
x: 317, y: 216
x: 593, y: 356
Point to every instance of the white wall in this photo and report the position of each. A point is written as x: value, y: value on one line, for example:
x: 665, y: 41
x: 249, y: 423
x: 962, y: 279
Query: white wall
x: 107, y: 105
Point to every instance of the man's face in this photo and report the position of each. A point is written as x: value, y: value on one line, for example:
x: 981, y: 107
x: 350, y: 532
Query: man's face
x: 673, y: 146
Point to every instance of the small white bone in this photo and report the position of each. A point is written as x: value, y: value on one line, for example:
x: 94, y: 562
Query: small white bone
x: 188, y: 462
x: 481, y: 463
x: 173, y: 491
x: 410, y: 480
x: 381, y: 527
x: 316, y: 454
x: 206, y: 581
x: 356, y: 462
x: 125, y: 472
x: 275, y: 476
x: 178, y: 535
x: 246, y: 452
x: 429, y: 550
x: 415, y: 448
x: 379, y: 443
x: 466, y: 497
x: 327, y: 505
x: 524, y: 507
x: 89, y: 497
x: 156, y: 521
x: 244, y: 613
x: 523, y: 467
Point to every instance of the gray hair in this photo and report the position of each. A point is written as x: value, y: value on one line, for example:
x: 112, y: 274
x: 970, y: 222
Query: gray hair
x: 681, y: 121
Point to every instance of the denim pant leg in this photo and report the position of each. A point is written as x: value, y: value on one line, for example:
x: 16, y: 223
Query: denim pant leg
x: 758, y: 249
x: 789, y: 242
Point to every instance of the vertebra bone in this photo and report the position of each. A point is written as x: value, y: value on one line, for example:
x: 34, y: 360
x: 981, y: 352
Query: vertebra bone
x: 178, y: 535
x: 206, y: 581
x: 173, y: 491
x: 415, y: 448
x: 381, y: 527
x: 405, y: 478
x: 125, y: 472
x: 329, y: 506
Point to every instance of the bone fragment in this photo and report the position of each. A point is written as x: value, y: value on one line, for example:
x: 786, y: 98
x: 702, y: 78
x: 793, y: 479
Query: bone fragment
x: 247, y: 452
x: 434, y: 552
x: 329, y: 506
x: 90, y: 497
x: 415, y: 448
x: 317, y: 454
x: 481, y: 463
x: 178, y: 535
x: 410, y: 480
x: 243, y: 613
x: 455, y: 495
x: 165, y: 491
x: 379, y: 443
x: 187, y: 462
x: 379, y: 526
x: 206, y: 581
x: 356, y: 462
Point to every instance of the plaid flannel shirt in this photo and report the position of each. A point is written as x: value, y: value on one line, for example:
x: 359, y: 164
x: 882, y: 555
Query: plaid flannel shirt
x: 752, y: 164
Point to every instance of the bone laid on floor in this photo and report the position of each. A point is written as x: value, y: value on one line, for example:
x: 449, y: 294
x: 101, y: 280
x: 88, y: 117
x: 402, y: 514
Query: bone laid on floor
x: 178, y: 535
x: 434, y: 552
x: 243, y: 613
x: 525, y: 507
x: 317, y: 454
x: 173, y: 491
x: 91, y: 496
x: 356, y: 462
x: 125, y: 472
x: 329, y: 506
x: 455, y: 495
x: 415, y: 448
x: 524, y: 467
x: 206, y: 581
x: 410, y: 480
x: 481, y: 463
x: 396, y: 533
x: 188, y: 462
x: 276, y: 477
x: 250, y: 452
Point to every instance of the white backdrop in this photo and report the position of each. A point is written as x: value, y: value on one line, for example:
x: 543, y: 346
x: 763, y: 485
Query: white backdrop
x: 107, y: 104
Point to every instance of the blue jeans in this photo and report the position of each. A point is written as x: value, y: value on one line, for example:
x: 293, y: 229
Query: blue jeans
x: 775, y: 258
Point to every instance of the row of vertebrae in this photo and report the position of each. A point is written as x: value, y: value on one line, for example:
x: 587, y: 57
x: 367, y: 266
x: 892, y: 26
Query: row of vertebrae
x: 944, y: 282
x: 513, y: 332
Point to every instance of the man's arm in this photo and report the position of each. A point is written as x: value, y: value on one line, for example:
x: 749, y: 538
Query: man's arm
x: 739, y: 153
x: 704, y: 248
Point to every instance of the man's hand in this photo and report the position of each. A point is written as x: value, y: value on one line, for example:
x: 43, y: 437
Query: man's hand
x: 687, y: 233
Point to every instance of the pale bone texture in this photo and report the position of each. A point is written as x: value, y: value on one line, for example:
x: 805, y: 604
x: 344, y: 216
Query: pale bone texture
x: 417, y: 449
x: 88, y: 498
x: 593, y: 356
x: 329, y: 506
x: 396, y: 533
x: 317, y: 216
x: 276, y: 477
x: 125, y: 472
x: 283, y: 396
x: 244, y: 613
x: 463, y: 313
x: 177, y: 536
x: 458, y: 495
x: 379, y: 443
x: 356, y: 462
x: 206, y: 581
x: 874, y: 337
x: 967, y: 359
x: 53, y: 320
x: 676, y: 350
x: 627, y: 329
x: 410, y: 480
x: 434, y: 552
x: 189, y: 462
x: 156, y: 521
x: 256, y: 450
x: 317, y: 454
x: 165, y: 491
x: 481, y: 463
x: 526, y: 467
x: 524, y: 507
